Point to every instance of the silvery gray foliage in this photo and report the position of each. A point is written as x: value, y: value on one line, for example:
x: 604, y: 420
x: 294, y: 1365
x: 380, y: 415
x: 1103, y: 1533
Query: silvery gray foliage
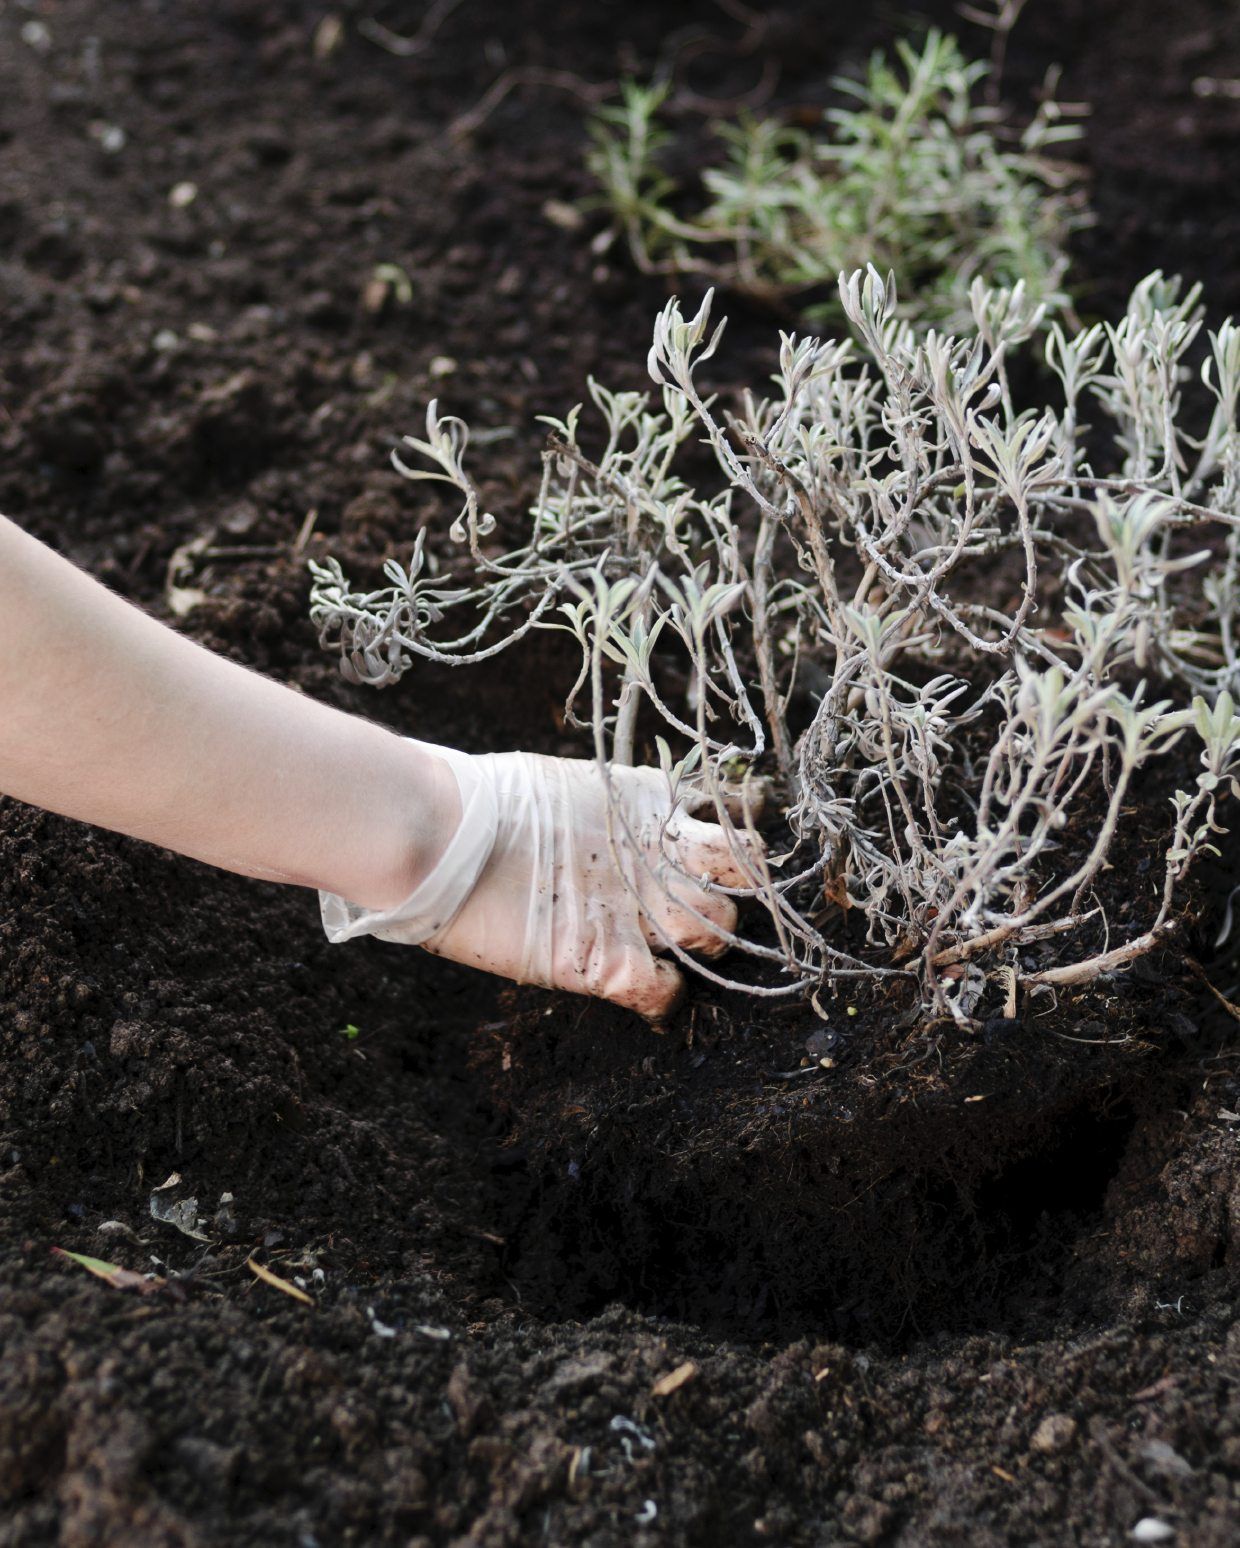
x: 954, y: 627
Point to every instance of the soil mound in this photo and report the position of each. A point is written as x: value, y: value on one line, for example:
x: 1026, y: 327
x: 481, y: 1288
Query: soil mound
x: 573, y: 1283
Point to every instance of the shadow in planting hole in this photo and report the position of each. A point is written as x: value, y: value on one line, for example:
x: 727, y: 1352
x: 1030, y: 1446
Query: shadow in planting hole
x: 807, y: 1250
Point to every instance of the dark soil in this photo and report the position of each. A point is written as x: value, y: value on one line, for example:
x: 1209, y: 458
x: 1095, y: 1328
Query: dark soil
x: 954, y: 1290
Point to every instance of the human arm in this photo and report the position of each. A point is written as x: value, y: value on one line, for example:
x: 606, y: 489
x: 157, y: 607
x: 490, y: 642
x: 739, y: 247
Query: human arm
x: 112, y: 718
x: 108, y: 716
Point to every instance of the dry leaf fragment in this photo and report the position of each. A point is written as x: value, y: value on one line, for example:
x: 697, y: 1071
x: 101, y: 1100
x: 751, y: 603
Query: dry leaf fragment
x: 274, y: 1280
x: 674, y: 1380
x: 180, y: 1214
x: 1163, y: 1385
x: 111, y: 1273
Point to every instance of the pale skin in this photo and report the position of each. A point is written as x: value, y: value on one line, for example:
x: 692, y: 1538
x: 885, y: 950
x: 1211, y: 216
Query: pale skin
x: 110, y: 717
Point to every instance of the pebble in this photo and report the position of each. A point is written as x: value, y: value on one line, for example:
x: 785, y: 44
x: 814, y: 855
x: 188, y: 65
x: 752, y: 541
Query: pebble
x: 1054, y: 1433
x: 821, y: 1043
x: 1151, y: 1530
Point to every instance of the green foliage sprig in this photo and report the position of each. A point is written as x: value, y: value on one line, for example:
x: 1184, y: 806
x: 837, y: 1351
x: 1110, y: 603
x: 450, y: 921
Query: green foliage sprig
x: 917, y: 174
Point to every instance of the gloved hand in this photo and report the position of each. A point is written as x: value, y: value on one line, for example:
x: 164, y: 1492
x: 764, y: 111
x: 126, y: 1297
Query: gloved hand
x: 530, y: 887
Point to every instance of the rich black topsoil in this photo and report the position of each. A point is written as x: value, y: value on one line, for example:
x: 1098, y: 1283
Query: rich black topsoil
x: 955, y: 1290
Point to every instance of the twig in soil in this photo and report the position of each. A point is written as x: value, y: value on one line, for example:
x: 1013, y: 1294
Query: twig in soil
x: 276, y: 1283
x: 1093, y: 1042
x: 1196, y: 969
x: 408, y: 48
x: 306, y: 528
x: 524, y: 75
x: 1098, y: 1434
x: 1001, y: 933
x: 1105, y: 962
x: 674, y: 1380
x: 930, y: 1048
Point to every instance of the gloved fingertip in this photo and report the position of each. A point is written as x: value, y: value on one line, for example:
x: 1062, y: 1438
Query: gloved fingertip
x: 723, y: 913
x: 671, y: 987
x: 656, y: 995
x: 729, y: 859
x: 715, y: 947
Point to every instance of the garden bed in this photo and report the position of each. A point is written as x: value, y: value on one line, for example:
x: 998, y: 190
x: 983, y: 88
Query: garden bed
x: 949, y: 1289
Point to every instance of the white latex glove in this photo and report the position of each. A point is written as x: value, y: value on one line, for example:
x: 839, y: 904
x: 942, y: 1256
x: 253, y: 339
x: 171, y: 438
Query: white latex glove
x: 529, y: 886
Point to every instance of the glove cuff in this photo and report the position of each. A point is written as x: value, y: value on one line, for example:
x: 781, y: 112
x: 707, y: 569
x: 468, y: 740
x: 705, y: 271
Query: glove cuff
x: 435, y: 902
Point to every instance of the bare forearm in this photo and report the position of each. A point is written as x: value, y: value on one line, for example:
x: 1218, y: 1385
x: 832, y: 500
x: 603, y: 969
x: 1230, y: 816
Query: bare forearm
x: 109, y: 717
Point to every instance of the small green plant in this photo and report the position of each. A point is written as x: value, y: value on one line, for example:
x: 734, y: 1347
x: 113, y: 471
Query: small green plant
x: 935, y: 614
x: 917, y: 176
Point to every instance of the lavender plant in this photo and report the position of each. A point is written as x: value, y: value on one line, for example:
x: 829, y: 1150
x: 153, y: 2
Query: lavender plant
x: 917, y: 175
x: 954, y: 628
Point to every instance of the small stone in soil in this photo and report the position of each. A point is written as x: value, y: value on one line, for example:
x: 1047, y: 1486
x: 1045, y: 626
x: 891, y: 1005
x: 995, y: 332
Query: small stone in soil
x: 821, y: 1043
